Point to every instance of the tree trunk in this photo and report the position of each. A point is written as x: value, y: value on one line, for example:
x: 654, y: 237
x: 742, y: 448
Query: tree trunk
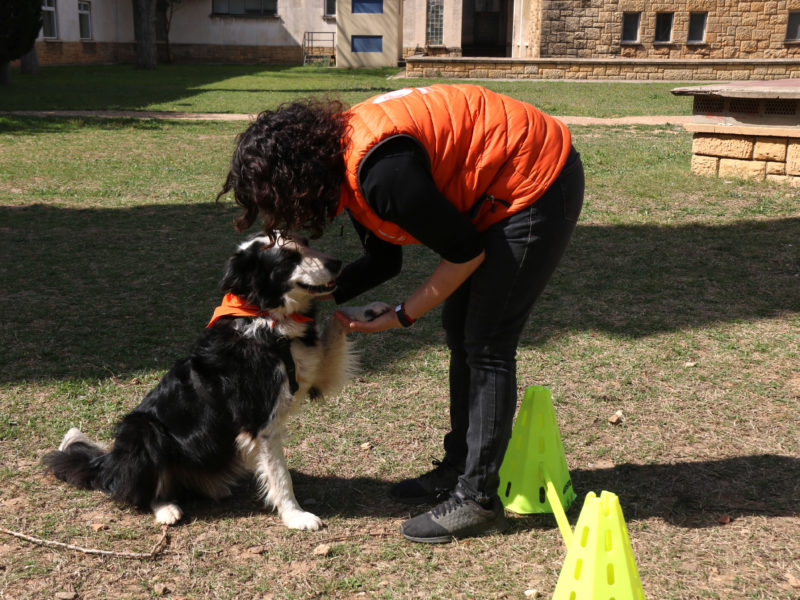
x: 5, y: 73
x: 29, y: 62
x: 146, y: 50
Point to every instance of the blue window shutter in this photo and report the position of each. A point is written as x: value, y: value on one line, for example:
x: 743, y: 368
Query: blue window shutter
x: 374, y: 7
x: 367, y: 43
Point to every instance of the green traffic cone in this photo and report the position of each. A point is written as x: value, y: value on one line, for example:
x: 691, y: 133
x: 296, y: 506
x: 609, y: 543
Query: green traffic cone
x: 535, y: 461
x: 600, y: 563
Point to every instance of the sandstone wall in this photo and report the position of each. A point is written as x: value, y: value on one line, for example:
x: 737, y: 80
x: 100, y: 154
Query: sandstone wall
x: 743, y: 156
x: 599, y: 69
x: 734, y: 29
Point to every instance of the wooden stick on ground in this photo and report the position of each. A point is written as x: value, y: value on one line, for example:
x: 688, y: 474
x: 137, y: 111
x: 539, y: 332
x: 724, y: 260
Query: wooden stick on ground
x: 158, y: 548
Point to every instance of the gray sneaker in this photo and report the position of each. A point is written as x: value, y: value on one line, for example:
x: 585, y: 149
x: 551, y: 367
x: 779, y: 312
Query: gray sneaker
x: 457, y: 517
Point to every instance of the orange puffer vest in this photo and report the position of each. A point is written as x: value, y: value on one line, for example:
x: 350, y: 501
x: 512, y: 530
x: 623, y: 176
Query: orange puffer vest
x: 490, y: 155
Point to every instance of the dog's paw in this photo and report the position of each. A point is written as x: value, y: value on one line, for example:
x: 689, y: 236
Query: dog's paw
x: 168, y: 513
x: 300, y: 519
x: 365, y: 313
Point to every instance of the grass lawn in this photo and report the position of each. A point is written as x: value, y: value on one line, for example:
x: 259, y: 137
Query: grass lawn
x: 678, y: 302
x: 251, y: 89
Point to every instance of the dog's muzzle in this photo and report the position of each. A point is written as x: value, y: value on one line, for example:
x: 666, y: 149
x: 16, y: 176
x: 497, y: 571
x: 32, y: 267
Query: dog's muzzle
x: 318, y: 289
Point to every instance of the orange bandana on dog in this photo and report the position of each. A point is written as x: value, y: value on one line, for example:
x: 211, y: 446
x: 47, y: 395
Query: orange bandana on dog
x: 235, y: 306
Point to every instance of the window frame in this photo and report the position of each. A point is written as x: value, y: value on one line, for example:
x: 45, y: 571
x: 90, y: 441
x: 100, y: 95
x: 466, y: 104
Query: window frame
x: 660, y: 16
x: 638, y: 39
x: 244, y: 15
x: 88, y: 12
x: 793, y: 22
x: 434, y: 23
x: 325, y: 12
x: 692, y: 16
x: 49, y: 7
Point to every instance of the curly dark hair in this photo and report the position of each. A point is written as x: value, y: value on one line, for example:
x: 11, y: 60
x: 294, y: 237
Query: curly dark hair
x: 288, y: 166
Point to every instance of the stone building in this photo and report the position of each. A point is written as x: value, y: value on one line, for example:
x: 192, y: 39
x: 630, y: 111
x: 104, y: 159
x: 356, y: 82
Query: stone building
x: 212, y: 31
x: 277, y: 31
x: 602, y: 29
x: 225, y: 31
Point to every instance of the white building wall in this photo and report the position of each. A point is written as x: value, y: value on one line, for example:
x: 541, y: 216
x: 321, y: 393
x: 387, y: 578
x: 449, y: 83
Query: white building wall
x: 193, y: 24
x: 452, y: 23
x: 415, y: 24
x: 112, y: 21
x: 388, y: 25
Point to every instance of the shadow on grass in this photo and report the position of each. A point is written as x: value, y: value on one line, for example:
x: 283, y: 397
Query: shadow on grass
x: 697, y: 494
x: 687, y: 494
x: 10, y: 124
x: 98, y: 291
x: 123, y: 87
x: 324, y: 496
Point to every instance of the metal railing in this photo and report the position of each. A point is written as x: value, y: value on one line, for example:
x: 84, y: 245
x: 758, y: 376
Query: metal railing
x: 319, y: 47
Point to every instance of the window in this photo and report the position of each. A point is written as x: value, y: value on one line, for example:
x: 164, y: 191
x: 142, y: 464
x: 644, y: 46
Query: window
x: 697, y: 27
x: 330, y: 8
x: 248, y: 8
x: 374, y: 7
x: 434, y: 25
x: 49, y: 21
x: 85, y: 20
x: 367, y: 43
x: 663, y: 28
x: 630, y: 27
x: 793, y: 27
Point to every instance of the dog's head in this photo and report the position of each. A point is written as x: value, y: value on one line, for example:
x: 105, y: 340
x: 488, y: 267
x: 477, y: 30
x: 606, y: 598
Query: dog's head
x: 281, y: 277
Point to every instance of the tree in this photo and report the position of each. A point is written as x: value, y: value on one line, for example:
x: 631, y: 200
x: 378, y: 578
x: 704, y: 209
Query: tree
x: 146, y: 49
x: 20, y: 22
x: 166, y: 8
x: 29, y: 62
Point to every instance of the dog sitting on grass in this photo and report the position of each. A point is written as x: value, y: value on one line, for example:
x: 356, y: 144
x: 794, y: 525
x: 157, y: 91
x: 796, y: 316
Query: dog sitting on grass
x: 220, y: 413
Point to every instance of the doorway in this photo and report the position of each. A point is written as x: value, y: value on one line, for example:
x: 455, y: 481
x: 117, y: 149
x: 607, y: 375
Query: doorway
x: 485, y: 27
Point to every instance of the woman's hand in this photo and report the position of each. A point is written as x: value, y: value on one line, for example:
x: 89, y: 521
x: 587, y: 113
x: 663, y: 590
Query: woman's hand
x: 387, y: 320
x: 444, y: 280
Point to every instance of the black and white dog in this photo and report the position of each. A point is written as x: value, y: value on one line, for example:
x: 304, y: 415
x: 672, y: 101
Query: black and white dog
x: 221, y: 412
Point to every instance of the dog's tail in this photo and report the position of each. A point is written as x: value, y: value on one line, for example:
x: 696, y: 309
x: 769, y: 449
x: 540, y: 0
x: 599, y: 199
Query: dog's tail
x: 77, y: 461
x: 130, y: 473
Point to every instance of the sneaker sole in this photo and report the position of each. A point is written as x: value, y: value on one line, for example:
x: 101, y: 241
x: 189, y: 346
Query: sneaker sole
x: 446, y: 539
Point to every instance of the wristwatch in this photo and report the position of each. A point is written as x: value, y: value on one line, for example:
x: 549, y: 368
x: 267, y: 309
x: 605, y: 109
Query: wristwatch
x: 400, y: 311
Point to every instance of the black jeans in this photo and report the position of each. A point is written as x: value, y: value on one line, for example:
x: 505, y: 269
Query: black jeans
x: 483, y: 321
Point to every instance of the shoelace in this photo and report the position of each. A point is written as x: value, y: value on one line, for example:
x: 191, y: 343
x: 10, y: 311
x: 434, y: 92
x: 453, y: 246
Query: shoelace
x: 440, y: 493
x: 447, y: 506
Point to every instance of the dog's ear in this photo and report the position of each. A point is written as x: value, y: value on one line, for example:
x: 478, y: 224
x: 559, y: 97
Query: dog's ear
x: 260, y: 274
x: 273, y: 275
x: 234, y: 279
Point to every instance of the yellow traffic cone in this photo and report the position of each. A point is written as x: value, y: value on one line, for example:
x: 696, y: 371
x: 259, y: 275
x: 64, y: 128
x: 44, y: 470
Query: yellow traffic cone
x: 535, y: 456
x: 600, y: 563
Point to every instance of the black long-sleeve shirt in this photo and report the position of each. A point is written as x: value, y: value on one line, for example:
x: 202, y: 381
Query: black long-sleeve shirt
x: 397, y: 183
